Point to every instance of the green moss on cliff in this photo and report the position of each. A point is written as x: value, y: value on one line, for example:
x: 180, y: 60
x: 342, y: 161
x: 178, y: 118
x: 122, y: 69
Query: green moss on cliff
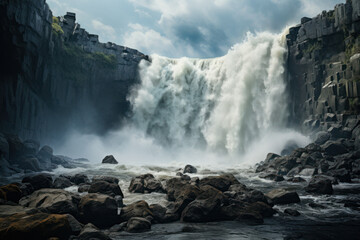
x: 56, y: 28
x: 78, y: 65
x: 74, y: 51
x: 350, y: 50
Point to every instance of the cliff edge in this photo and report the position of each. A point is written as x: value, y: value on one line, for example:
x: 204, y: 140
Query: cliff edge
x: 54, y: 75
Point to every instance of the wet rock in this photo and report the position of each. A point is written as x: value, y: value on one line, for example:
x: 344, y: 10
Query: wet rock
x: 272, y: 176
x: 103, y: 187
x: 202, y: 208
x: 90, y: 232
x: 62, y: 182
x: 118, y: 227
x: 271, y: 156
x: 181, y: 192
x: 31, y: 164
x: 26, y: 189
x: 162, y: 215
x: 296, y: 179
x: 138, y: 224
x: 56, y: 201
x: 110, y: 160
x: 264, y: 209
x: 337, y: 131
x: 99, y: 209
x: 308, y: 172
x: 137, y: 209
x: 38, y: 226
x: 289, y: 148
x: 10, y: 192
x: 190, y: 169
x: 83, y: 188
x: 322, y: 137
x: 185, y: 177
x: 8, y: 210
x: 145, y: 184
x: 31, y: 147
x: 39, y: 181
x: 195, y: 181
x: 342, y: 174
x: 106, y: 179
x: 334, y: 148
x: 282, y: 196
x: 79, y: 178
x: 44, y: 156
x: 319, y: 184
x: 222, y: 182
x: 250, y: 218
x: 292, y: 212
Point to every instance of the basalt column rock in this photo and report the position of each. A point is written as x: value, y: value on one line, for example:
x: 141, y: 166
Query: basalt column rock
x: 54, y: 73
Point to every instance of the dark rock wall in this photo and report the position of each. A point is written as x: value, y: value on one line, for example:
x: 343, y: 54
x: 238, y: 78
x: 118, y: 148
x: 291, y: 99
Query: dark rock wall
x: 324, y: 66
x: 51, y: 79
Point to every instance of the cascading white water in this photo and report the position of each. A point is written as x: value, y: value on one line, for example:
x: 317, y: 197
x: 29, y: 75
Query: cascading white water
x: 223, y: 103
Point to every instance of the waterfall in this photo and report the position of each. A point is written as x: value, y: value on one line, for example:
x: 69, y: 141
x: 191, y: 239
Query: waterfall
x: 222, y: 104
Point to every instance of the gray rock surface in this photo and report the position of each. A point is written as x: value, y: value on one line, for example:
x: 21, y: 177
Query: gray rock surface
x: 46, y: 88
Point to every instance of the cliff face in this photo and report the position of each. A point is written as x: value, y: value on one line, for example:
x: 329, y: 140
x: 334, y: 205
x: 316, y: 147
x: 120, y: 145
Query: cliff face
x: 324, y: 67
x: 54, y: 75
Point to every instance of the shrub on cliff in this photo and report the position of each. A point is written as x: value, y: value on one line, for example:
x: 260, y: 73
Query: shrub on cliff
x: 56, y: 28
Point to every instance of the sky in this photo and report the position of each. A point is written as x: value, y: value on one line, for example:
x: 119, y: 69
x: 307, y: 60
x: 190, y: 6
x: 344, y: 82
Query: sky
x: 191, y: 28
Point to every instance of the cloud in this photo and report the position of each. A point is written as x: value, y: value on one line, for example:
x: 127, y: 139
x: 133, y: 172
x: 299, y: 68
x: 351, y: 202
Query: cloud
x: 148, y: 40
x: 104, y: 30
x: 194, y: 28
x: 209, y: 28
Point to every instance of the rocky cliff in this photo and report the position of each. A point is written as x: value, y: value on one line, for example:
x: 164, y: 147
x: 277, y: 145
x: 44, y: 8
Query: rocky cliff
x: 54, y: 74
x: 324, y: 67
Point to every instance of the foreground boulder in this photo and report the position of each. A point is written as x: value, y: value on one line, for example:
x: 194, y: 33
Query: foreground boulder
x: 333, y: 148
x: 203, y: 207
x: 106, y: 179
x: 62, y: 182
x: 138, y: 224
x: 39, y: 181
x: 38, y: 226
x: 99, y: 209
x: 145, y: 184
x: 190, y: 169
x: 137, y: 209
x: 222, y: 182
x: 91, y: 232
x: 56, y: 201
x: 162, y: 214
x: 104, y: 187
x: 10, y: 192
x: 282, y: 196
x: 79, y: 178
x: 8, y: 210
x: 110, y: 160
x: 251, y: 218
x: 320, y: 184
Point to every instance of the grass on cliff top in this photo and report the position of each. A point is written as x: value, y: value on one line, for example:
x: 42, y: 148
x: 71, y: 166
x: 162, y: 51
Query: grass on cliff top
x: 74, y: 51
x: 56, y: 27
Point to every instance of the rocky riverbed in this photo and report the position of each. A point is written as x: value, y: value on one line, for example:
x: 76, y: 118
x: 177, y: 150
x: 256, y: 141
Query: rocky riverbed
x: 312, y: 192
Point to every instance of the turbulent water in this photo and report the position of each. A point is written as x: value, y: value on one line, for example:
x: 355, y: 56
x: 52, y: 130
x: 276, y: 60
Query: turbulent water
x: 221, y: 104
